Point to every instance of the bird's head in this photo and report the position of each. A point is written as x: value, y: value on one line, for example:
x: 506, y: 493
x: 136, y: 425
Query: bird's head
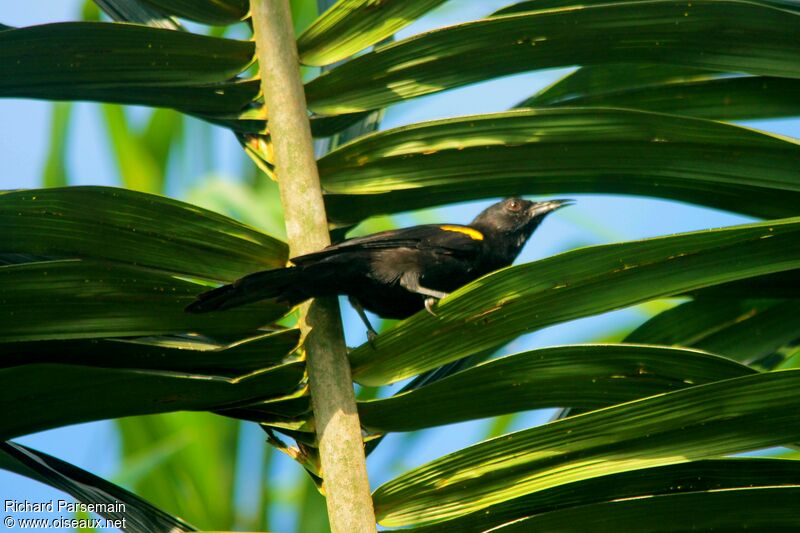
x: 514, y: 215
x: 514, y: 219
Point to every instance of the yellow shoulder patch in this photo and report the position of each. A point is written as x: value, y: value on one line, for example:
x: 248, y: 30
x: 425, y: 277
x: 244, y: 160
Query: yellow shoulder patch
x: 473, y: 234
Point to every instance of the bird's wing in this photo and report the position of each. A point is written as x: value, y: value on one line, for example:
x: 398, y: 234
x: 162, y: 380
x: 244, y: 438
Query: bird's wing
x: 449, y: 239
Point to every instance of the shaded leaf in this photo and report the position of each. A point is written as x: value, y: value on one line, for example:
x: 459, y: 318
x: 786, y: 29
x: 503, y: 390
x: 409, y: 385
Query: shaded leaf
x: 746, y: 331
x: 611, y: 78
x: 693, y: 477
x: 137, y: 11
x: 134, y: 228
x: 79, y: 299
x: 180, y: 354
x: 778, y: 285
x: 728, y: 36
x: 218, y: 12
x: 536, y: 5
x: 756, y: 508
x: 51, y: 59
x: 563, y: 150
x: 224, y: 102
x: 139, y: 515
x: 45, y: 396
x: 571, y: 285
x: 741, y: 98
x: 352, y: 25
x: 582, y: 376
x: 720, y: 418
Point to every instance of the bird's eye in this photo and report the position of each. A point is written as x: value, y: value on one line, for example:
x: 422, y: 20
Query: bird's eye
x: 513, y: 205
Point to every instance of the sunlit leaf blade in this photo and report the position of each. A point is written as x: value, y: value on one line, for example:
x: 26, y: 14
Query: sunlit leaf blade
x: 70, y: 56
x: 289, y: 413
x: 565, y: 150
x: 218, y: 12
x: 746, y: 331
x: 139, y: 515
x: 611, y: 78
x: 352, y: 25
x: 45, y: 396
x: 691, y: 477
x: 728, y: 36
x: 582, y: 376
x: 741, y: 98
x: 134, y: 228
x: 322, y: 126
x: 571, y: 285
x: 756, y: 508
x: 720, y: 418
x: 79, y: 299
x: 179, y: 354
x: 137, y: 11
x: 536, y: 5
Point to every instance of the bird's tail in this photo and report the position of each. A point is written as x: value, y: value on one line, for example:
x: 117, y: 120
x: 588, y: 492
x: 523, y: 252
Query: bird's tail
x: 251, y: 288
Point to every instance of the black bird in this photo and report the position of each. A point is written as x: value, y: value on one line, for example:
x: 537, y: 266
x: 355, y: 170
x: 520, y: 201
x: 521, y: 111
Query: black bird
x: 394, y: 273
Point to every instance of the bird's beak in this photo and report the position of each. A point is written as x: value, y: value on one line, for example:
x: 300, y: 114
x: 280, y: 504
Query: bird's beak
x: 540, y: 209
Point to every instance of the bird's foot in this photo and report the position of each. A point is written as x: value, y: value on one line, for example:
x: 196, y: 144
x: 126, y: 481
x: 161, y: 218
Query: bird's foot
x: 429, y: 303
x: 371, y: 336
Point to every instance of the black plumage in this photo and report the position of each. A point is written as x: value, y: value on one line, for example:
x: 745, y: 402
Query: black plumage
x: 395, y: 273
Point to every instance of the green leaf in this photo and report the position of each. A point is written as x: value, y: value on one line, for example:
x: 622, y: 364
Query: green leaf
x: 65, y: 58
x: 55, y: 167
x: 162, y: 133
x: 185, y: 462
x: 693, y: 321
x: 85, y: 487
x: 563, y: 150
x: 134, y: 228
x: 581, y: 376
x: 575, y: 284
x: 217, y: 12
x: 728, y: 36
x: 223, y: 102
x: 721, y: 418
x: 179, y: 354
x: 743, y: 98
x: 352, y: 25
x: 137, y: 168
x: 775, y: 286
x: 611, y: 78
x: 537, y: 5
x: 746, y: 331
x: 756, y: 508
x: 79, y: 299
x: 136, y: 11
x: 45, y: 396
x: 704, y: 475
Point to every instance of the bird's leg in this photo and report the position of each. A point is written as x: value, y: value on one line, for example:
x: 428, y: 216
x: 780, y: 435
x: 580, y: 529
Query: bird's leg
x: 371, y: 333
x: 410, y: 282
